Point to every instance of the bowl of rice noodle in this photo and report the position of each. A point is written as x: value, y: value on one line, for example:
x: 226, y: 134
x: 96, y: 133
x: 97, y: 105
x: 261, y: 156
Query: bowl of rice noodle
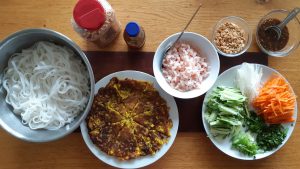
x: 46, y: 85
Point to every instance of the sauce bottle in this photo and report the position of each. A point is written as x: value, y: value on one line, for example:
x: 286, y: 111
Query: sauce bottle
x: 95, y: 20
x: 134, y: 35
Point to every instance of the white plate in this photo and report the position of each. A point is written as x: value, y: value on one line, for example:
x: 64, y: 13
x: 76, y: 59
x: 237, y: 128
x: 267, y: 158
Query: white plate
x: 227, y: 78
x: 145, y: 160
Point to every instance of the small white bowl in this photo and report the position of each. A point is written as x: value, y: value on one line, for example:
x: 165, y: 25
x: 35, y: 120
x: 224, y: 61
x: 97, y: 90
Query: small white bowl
x: 204, y: 47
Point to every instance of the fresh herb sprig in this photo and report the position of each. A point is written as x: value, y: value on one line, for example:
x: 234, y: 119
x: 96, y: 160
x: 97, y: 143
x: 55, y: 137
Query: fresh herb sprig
x: 268, y: 137
x: 271, y: 137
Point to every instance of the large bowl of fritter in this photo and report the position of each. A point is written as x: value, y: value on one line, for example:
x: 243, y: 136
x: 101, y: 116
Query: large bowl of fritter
x: 47, y: 85
x: 132, y: 122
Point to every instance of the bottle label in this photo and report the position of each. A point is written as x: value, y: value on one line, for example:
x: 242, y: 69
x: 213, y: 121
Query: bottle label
x: 137, y: 42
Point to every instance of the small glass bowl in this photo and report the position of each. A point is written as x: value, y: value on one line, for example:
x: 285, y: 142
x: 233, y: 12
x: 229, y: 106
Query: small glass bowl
x: 294, y: 33
x: 239, y: 22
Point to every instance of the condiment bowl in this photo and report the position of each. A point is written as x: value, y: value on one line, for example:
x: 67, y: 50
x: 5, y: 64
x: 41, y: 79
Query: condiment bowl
x: 293, y: 30
x: 12, y: 122
x: 240, y: 23
x: 204, y: 47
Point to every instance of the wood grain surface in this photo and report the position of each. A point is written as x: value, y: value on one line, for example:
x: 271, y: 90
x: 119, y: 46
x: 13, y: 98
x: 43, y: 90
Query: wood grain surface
x: 160, y: 18
x: 191, y: 150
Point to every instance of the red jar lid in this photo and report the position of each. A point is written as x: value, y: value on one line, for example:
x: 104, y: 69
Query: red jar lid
x: 89, y: 14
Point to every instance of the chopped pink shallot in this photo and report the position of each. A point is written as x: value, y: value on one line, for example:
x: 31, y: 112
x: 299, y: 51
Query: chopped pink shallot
x: 183, y: 68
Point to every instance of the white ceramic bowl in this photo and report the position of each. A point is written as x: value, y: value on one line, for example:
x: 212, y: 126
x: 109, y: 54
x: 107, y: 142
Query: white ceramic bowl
x: 204, y: 47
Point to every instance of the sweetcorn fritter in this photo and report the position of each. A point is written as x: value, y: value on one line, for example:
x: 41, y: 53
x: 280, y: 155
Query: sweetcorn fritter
x: 129, y: 119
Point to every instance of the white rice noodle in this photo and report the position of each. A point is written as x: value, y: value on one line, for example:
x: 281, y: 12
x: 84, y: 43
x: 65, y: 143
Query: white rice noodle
x: 46, y: 85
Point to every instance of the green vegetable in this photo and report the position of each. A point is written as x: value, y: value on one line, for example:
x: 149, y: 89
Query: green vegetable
x: 224, y: 112
x: 244, y: 143
x: 227, y: 112
x: 271, y: 137
x: 268, y: 136
x: 254, y: 123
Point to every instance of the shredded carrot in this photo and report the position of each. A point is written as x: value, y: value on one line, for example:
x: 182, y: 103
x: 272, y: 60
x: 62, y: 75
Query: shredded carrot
x: 275, y: 102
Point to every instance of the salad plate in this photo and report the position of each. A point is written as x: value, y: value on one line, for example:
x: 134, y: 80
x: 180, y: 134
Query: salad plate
x: 141, y: 161
x: 227, y: 78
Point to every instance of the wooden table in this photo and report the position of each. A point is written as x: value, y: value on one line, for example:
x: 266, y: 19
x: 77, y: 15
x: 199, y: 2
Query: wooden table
x: 160, y: 18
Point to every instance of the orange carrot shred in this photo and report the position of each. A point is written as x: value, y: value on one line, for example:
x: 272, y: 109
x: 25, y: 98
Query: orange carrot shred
x: 275, y: 102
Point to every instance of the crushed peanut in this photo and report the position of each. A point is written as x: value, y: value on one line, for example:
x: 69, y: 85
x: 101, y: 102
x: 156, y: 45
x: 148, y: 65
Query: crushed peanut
x: 230, y: 38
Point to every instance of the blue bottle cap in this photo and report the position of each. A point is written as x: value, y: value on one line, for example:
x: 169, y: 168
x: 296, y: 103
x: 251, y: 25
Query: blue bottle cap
x: 132, y: 29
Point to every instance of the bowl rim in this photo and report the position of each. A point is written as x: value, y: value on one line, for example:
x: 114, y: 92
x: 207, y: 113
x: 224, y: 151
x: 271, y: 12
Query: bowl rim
x: 271, y: 53
x: 249, y: 41
x: 182, y: 94
x: 88, y: 66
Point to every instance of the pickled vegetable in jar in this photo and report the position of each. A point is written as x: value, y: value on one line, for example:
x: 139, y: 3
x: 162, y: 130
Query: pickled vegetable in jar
x: 134, y: 35
x: 95, y: 20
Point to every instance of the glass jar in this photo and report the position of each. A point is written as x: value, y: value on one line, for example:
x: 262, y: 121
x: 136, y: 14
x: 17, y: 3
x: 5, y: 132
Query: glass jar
x: 134, y: 35
x: 95, y: 20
